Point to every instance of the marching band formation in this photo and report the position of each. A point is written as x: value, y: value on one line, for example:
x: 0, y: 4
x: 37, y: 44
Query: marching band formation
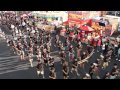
x: 34, y: 44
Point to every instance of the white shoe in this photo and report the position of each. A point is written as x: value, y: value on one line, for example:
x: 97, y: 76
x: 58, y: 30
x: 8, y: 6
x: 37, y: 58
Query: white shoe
x: 116, y: 59
x: 119, y: 60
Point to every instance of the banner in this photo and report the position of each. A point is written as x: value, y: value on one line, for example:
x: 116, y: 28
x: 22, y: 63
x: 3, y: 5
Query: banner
x: 74, y: 16
x: 82, y: 14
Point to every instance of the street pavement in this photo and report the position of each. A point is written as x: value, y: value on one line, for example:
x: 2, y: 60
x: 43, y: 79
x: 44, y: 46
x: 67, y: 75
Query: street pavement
x: 12, y: 68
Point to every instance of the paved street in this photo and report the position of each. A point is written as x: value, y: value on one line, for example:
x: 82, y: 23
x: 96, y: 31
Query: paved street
x: 12, y: 68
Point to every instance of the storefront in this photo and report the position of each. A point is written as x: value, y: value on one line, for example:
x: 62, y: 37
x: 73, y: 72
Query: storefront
x: 52, y: 15
x: 114, y: 21
x: 81, y: 17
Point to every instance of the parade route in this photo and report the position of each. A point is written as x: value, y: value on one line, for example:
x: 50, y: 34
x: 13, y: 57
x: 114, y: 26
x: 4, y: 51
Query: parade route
x: 43, y: 46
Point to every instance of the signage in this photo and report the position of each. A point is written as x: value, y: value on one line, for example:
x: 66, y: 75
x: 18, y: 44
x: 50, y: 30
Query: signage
x: 82, y: 14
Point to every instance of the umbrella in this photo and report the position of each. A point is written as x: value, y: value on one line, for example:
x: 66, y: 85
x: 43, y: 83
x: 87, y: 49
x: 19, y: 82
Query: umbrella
x: 86, y: 28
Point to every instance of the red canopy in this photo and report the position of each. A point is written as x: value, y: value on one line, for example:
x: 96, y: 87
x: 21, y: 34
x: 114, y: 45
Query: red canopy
x: 78, y: 21
x: 86, y: 28
x: 85, y: 21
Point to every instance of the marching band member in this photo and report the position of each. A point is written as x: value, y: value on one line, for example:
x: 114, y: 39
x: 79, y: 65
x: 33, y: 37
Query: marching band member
x: 40, y: 69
